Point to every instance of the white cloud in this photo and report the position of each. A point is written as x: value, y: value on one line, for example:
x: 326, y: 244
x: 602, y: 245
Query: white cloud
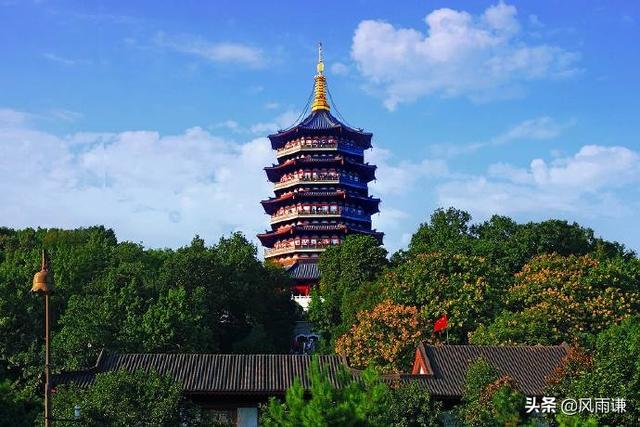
x: 400, y: 177
x: 152, y: 188
x: 63, y: 60
x: 221, y: 52
x: 481, y: 57
x: 536, y: 129
x: 11, y: 118
x: 339, y: 69
x: 232, y: 125
x: 582, y: 184
x: 283, y: 121
x: 389, y: 218
x: 64, y: 115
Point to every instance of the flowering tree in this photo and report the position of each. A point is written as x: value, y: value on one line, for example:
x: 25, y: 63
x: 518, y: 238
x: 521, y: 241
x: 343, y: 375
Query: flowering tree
x: 467, y: 288
x: 384, y: 337
x: 565, y: 298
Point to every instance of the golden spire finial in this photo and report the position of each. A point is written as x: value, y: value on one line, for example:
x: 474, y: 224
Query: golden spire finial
x: 320, y: 88
x: 320, y: 66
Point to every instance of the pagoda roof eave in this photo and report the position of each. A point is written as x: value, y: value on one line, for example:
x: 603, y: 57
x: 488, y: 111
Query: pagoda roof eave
x: 274, y: 172
x: 320, y: 122
x: 270, y: 205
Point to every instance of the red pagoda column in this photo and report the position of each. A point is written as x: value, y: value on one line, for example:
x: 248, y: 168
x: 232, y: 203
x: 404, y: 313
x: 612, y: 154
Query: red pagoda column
x: 321, y: 190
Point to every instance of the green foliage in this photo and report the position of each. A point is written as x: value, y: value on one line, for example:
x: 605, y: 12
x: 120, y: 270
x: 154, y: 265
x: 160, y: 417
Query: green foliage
x: 124, y: 399
x: 467, y: 288
x: 489, y: 400
x: 126, y: 298
x: 523, y: 327
x: 347, y: 272
x: 175, y: 322
x: 409, y: 405
x: 448, y: 231
x: 17, y: 408
x: 80, y: 253
x: 499, y: 282
x: 563, y: 420
x: 502, y: 240
x: 613, y: 372
x: 565, y: 298
x: 352, y: 403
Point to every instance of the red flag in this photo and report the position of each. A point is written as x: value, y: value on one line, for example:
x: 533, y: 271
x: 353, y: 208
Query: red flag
x: 441, y: 324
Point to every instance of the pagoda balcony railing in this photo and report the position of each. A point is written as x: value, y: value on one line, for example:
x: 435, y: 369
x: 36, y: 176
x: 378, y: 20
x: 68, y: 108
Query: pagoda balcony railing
x: 303, y: 300
x: 301, y: 213
x: 294, y: 248
x: 331, y: 179
x: 327, y: 146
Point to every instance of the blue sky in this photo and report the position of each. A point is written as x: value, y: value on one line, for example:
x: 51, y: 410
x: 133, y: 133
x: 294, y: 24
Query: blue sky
x: 151, y: 117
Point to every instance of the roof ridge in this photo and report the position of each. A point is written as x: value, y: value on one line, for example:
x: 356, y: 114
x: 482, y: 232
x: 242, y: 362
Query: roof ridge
x: 495, y: 346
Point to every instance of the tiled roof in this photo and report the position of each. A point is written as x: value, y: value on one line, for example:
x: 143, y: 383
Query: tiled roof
x: 321, y: 119
x: 528, y: 366
x: 214, y: 373
x: 365, y: 170
x: 317, y: 194
x: 272, y: 374
x: 321, y: 122
x: 304, y: 270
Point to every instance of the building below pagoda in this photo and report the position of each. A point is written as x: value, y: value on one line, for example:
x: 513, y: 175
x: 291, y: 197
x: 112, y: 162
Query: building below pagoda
x: 321, y: 191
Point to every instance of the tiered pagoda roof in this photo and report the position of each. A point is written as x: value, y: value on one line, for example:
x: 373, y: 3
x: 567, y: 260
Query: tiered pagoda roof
x: 321, y: 123
x: 271, y: 205
x: 321, y: 189
x: 365, y: 170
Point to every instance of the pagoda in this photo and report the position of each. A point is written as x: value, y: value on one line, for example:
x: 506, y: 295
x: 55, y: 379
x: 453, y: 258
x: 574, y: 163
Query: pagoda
x: 321, y: 190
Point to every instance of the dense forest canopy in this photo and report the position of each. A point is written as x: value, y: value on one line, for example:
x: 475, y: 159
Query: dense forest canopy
x: 125, y: 298
x: 498, y: 282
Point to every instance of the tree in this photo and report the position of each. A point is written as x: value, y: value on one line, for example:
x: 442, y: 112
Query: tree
x: 122, y: 398
x: 17, y: 407
x: 447, y: 231
x: 351, y: 403
x: 467, y: 288
x: 489, y: 399
x: 611, y: 371
x: 502, y: 240
x: 565, y: 298
x: 80, y: 253
x: 409, y: 405
x: 175, y: 323
x: 383, y: 337
x: 513, y: 245
x: 347, y: 270
x: 531, y: 326
x: 126, y: 298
